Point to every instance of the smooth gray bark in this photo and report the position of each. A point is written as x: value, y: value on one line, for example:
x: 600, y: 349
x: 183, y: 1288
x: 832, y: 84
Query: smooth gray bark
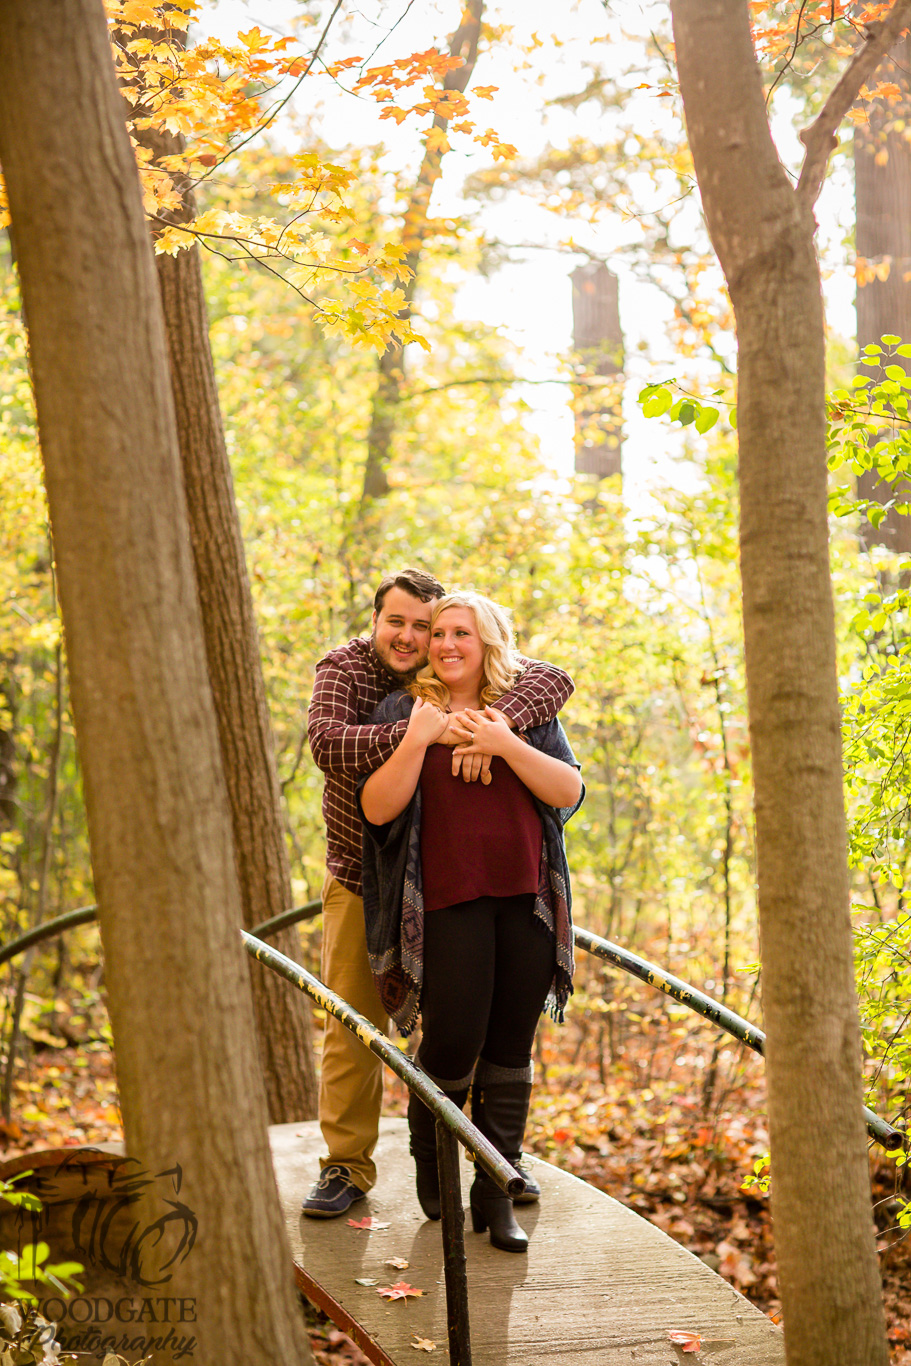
x: 763, y: 231
x: 157, y: 809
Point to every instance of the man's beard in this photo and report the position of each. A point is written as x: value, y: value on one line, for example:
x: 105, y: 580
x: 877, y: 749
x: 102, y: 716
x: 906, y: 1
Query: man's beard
x: 393, y: 664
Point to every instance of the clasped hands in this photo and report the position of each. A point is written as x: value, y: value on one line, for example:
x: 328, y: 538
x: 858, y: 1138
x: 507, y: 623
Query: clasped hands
x: 476, y: 736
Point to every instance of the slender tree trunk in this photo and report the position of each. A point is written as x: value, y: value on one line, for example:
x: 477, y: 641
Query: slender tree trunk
x: 882, y: 192
x: 157, y: 808
x: 8, y: 705
x: 235, y: 667
x: 763, y: 233
x: 391, y: 364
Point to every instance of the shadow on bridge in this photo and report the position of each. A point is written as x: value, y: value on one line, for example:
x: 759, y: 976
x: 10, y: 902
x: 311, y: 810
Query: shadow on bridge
x: 599, y: 1283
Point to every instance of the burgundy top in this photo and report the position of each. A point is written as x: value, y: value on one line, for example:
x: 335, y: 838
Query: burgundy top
x: 476, y: 840
x: 350, y: 681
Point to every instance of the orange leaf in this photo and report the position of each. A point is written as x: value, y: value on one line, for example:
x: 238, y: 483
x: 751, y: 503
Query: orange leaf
x: 400, y: 1291
x: 687, y: 1342
x: 369, y: 1223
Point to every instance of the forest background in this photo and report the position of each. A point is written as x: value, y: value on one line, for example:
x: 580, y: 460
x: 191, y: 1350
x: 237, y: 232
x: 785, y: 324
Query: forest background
x: 632, y: 585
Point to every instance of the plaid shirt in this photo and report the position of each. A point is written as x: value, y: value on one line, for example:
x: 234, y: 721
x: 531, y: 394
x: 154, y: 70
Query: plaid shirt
x: 350, y: 682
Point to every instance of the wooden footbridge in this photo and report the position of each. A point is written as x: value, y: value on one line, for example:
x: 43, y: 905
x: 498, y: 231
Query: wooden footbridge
x: 599, y: 1284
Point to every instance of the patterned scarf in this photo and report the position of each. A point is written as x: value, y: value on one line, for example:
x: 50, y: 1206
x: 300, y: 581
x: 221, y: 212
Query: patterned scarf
x: 394, y: 897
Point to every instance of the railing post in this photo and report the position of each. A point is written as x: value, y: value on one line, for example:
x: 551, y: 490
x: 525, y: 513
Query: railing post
x: 454, y: 1266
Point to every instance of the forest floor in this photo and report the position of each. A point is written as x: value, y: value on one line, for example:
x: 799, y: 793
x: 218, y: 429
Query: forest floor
x: 622, y: 1100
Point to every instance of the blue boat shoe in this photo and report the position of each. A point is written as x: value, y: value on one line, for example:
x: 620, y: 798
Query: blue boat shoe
x: 333, y: 1194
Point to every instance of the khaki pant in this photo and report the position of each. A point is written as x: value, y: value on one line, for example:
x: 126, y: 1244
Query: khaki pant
x: 351, y: 1077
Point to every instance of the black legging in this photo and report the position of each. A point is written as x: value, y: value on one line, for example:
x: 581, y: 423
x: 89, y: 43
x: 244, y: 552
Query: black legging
x: 487, y: 971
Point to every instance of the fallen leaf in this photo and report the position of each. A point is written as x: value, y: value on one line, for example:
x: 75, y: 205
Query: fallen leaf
x: 423, y: 1345
x: 400, y: 1291
x: 398, y: 1262
x: 369, y: 1222
x: 687, y: 1342
x: 364, y: 1280
x: 735, y: 1264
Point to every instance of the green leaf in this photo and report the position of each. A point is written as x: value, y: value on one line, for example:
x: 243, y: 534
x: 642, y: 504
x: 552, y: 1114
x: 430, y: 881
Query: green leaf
x: 903, y: 350
x: 890, y: 340
x: 686, y: 414
x: 895, y: 372
x: 706, y: 420
x: 657, y: 403
x: 873, y: 350
x: 732, y: 418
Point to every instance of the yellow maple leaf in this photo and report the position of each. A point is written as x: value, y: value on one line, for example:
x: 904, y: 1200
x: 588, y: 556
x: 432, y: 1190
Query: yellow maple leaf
x: 140, y: 12
x: 171, y: 240
x: 253, y: 40
x: 437, y: 141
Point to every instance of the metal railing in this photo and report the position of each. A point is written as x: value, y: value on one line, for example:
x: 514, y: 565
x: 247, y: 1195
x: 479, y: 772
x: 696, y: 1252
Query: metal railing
x: 452, y: 1128
x: 713, y: 1010
x: 879, y: 1129
x: 84, y: 915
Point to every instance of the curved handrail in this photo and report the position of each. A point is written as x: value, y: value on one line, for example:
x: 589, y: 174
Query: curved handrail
x: 451, y: 1127
x: 84, y: 915
x: 501, y: 1171
x: 878, y: 1129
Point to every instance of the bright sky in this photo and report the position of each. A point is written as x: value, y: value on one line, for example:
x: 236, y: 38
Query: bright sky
x: 529, y: 300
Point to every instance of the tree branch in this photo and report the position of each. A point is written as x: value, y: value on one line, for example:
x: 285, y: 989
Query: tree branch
x: 820, y: 139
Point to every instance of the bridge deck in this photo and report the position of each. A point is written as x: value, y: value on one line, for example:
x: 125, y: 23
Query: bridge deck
x: 599, y: 1283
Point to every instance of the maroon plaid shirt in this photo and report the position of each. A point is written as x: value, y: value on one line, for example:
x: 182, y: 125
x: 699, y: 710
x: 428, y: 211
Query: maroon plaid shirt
x: 350, y: 682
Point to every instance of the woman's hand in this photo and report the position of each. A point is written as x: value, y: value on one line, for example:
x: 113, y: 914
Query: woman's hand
x: 390, y: 787
x: 489, y: 730
x: 426, y: 723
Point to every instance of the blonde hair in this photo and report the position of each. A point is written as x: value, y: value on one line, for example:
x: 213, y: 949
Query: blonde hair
x: 501, y: 664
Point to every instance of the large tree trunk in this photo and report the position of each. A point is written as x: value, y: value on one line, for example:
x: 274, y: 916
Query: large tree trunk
x: 235, y: 668
x: 157, y: 809
x: 882, y: 192
x: 391, y: 364
x: 763, y: 234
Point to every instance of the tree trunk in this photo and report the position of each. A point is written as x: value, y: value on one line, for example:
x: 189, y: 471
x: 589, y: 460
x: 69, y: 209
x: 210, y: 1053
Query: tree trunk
x: 882, y: 192
x: 235, y: 668
x: 391, y: 364
x: 763, y: 234
x: 8, y: 708
x: 157, y: 809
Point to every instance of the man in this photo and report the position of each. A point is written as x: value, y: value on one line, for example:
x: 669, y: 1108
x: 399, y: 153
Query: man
x: 350, y: 682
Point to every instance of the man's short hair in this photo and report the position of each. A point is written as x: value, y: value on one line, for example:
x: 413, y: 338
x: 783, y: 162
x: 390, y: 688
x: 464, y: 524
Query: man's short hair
x: 415, y: 582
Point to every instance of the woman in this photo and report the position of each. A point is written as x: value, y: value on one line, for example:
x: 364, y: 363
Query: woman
x: 466, y: 891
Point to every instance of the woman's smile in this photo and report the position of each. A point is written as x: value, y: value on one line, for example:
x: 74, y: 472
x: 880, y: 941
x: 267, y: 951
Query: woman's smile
x: 456, y: 648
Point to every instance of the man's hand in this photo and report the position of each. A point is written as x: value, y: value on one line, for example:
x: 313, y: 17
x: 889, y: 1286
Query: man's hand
x: 472, y: 766
x: 426, y: 722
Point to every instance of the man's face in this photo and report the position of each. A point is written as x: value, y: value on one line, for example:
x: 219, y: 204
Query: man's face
x: 401, y: 631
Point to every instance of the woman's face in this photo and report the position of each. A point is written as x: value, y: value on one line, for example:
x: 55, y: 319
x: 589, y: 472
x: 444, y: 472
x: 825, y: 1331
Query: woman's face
x: 456, y: 649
